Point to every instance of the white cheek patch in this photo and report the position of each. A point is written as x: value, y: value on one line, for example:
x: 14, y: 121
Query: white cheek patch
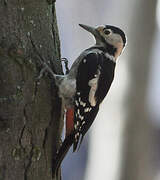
x: 93, y: 83
x: 114, y: 39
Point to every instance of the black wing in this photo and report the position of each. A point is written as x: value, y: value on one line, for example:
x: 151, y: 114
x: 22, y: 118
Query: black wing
x: 94, y: 67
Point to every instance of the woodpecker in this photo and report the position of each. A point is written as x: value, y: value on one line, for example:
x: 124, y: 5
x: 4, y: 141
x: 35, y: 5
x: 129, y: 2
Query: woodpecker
x: 85, y: 86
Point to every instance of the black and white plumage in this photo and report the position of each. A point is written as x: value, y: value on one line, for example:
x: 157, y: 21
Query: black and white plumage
x: 94, y: 77
x: 87, y: 83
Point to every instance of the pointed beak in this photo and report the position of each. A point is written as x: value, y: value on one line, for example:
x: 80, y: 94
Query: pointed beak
x: 89, y: 29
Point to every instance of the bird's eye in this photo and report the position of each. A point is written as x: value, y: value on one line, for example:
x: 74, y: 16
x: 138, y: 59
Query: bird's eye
x: 107, y: 31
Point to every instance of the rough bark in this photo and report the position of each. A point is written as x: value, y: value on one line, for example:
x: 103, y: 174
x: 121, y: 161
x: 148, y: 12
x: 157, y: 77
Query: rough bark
x: 30, y: 111
x: 139, y: 144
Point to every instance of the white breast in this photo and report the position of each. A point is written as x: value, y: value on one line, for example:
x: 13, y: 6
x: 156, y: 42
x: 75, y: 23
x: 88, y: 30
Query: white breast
x: 67, y: 91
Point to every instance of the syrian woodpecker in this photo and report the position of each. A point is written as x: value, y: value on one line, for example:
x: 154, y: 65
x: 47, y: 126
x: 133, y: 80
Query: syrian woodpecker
x: 85, y: 86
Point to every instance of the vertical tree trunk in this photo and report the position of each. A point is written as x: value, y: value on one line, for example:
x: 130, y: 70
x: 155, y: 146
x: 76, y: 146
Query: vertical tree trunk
x: 138, y: 153
x: 30, y: 112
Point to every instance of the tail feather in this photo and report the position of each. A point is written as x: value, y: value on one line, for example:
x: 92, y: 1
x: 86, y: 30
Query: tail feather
x: 67, y: 143
x: 80, y: 142
x: 77, y: 144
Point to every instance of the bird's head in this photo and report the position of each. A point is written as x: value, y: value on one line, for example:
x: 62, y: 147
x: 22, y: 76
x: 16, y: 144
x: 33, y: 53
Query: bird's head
x: 109, y: 37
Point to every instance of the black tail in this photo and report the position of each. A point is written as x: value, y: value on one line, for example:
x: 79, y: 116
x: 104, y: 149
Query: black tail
x: 67, y: 143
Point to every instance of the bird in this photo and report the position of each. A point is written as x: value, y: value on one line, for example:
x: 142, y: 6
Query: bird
x: 86, y: 85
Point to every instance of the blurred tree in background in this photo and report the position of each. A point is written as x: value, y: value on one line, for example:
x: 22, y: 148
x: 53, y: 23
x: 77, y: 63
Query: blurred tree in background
x: 139, y: 146
x: 122, y: 139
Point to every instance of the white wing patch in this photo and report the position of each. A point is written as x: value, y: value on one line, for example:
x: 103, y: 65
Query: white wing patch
x: 93, y: 83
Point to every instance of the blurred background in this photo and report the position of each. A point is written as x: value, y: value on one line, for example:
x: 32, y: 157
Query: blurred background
x: 124, y: 141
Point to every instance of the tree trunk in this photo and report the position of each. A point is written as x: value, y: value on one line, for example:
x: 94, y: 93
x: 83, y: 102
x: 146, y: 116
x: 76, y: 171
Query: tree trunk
x: 30, y: 111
